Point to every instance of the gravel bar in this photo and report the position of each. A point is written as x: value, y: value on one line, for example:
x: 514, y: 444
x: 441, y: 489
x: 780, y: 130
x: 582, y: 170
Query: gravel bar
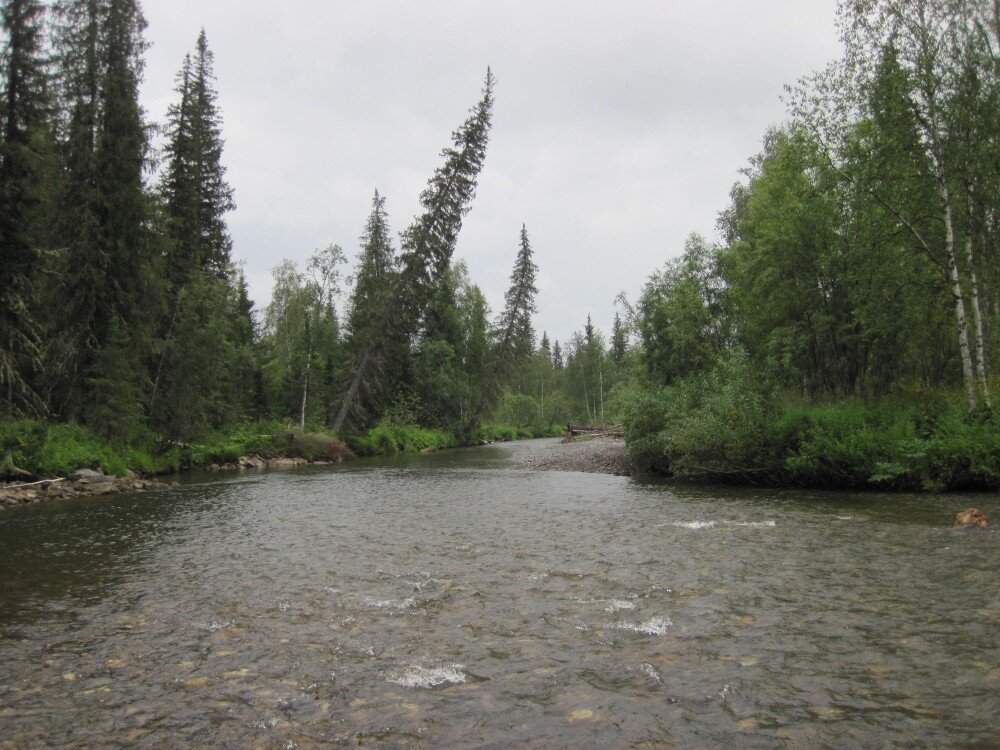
x: 600, y: 455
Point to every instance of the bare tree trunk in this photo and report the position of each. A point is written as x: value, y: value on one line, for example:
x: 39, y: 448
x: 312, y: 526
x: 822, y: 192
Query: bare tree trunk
x: 352, y: 392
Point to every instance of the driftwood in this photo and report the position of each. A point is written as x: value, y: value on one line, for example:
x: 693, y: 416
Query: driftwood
x: 608, y: 430
x: 32, y: 484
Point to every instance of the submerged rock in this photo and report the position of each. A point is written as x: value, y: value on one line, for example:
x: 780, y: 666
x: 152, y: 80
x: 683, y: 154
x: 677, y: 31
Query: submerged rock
x: 971, y: 518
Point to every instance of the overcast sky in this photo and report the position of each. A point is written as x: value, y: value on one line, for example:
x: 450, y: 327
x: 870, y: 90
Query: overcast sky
x: 619, y: 127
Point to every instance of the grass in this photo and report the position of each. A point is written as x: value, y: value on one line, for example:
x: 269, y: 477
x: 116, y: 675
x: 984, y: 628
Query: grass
x: 49, y: 450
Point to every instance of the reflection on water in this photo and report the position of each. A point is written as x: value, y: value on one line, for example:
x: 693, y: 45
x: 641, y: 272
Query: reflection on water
x: 451, y: 600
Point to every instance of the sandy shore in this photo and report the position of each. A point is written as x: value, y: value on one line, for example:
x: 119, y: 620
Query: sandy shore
x: 601, y: 455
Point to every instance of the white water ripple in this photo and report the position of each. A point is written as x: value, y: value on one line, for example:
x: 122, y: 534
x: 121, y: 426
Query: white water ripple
x: 389, y: 603
x: 428, y: 677
x: 652, y: 626
x: 713, y: 524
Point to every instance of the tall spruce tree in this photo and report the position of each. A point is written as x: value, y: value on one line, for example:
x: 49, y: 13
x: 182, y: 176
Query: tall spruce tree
x: 26, y: 143
x: 80, y: 66
x: 108, y: 266
x: 366, y: 360
x: 203, y: 293
x: 427, y: 246
x: 514, y: 337
x: 194, y: 187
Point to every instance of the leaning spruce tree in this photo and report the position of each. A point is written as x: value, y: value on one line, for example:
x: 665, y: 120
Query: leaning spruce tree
x: 427, y: 245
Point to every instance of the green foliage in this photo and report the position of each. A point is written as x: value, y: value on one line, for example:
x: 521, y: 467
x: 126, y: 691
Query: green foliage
x: 713, y: 424
x: 724, y: 427
x: 388, y: 437
x: 58, y: 450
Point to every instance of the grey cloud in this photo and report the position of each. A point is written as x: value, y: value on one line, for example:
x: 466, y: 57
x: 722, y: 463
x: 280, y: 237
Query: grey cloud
x: 619, y: 127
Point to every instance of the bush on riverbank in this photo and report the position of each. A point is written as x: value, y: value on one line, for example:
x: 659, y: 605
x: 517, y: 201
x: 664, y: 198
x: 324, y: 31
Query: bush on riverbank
x: 388, y: 437
x: 727, y: 426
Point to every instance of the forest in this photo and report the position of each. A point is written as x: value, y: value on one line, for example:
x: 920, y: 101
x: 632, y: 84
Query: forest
x: 840, y: 331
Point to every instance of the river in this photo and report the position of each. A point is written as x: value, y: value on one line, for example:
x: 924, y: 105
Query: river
x: 454, y: 600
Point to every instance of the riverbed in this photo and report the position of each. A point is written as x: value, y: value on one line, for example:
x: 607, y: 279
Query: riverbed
x: 458, y: 600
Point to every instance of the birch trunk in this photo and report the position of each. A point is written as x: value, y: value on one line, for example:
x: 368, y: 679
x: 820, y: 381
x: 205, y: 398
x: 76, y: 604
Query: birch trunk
x: 977, y: 313
x: 956, y: 288
x: 977, y: 318
x: 305, y: 396
x: 601, y: 375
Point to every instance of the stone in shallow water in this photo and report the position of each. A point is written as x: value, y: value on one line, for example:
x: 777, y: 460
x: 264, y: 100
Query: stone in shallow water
x: 971, y: 517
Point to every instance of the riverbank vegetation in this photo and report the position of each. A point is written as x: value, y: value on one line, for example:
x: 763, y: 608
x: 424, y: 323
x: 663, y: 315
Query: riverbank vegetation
x: 842, y: 331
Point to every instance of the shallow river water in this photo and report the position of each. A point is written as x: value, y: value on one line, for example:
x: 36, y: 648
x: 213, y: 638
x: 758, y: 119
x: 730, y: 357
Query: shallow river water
x: 454, y: 600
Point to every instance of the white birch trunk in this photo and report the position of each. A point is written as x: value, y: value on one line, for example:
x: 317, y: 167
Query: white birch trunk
x: 977, y: 318
x: 956, y: 287
x: 601, y: 373
x: 305, y: 397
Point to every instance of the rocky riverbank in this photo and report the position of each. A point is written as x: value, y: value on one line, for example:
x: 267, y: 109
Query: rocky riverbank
x: 596, y: 455
x: 90, y: 483
x: 83, y: 483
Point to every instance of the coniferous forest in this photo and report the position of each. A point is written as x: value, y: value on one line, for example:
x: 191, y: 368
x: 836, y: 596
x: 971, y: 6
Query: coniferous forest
x: 841, y: 331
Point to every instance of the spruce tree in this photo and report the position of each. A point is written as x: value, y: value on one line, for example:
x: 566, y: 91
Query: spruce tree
x: 514, y: 337
x: 366, y: 359
x: 196, y: 197
x: 194, y: 187
x: 619, y: 341
x: 26, y: 134
x: 108, y: 265
x: 427, y: 246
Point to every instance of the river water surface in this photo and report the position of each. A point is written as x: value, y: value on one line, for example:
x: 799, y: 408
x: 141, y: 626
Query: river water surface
x: 454, y: 600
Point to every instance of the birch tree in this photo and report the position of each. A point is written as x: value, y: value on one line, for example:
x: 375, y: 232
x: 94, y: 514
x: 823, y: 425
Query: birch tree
x: 930, y: 41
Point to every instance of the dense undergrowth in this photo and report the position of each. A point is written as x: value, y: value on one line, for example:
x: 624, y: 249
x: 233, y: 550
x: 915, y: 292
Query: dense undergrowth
x: 727, y: 426
x: 48, y: 450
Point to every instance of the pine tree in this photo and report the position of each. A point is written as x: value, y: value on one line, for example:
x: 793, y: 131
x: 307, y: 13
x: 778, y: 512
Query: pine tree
x: 26, y: 133
x: 557, y: 356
